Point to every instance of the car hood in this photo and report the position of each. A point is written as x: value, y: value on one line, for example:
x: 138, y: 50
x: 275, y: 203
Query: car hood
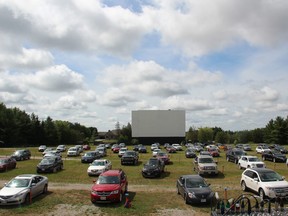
x: 105, y: 187
x: 6, y: 191
x: 96, y: 167
x: 200, y: 191
x: 276, y: 184
x: 147, y: 166
x: 207, y: 164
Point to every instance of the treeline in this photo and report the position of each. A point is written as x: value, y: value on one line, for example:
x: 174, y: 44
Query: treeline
x: 17, y: 128
x: 276, y: 131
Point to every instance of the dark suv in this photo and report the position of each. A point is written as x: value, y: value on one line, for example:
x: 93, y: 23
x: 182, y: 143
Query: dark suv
x: 130, y: 157
x: 50, y: 164
x: 23, y: 154
x: 234, y: 154
x: 110, y: 187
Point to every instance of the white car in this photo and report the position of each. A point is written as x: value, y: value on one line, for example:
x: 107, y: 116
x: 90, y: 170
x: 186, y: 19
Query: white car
x: 122, y: 151
x: 265, y: 182
x: 99, y: 166
x: 61, y: 148
x: 177, y: 146
x: 155, y: 152
x: 154, y: 146
x: 261, y: 149
x: 73, y: 151
x: 250, y: 162
x: 22, y: 188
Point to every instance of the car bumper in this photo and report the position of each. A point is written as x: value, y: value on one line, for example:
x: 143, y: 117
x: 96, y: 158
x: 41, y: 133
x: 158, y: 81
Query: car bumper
x: 208, y: 172
x: 95, y: 198
x: 95, y: 172
x: 151, y: 174
x: 45, y: 170
x: 197, y: 200
x: 12, y: 200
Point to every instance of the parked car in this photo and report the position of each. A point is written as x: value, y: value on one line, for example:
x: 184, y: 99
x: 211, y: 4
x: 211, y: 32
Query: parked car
x: 190, y: 153
x: 261, y: 149
x: 22, y: 187
x: 155, y: 152
x: 247, y: 147
x: 86, y: 147
x: 23, y: 154
x: 281, y: 149
x: 99, y: 166
x: 80, y: 148
x: 7, y: 163
x: 274, y: 156
x: 73, y: 151
x: 50, y: 164
x: 205, y: 165
x: 61, y: 148
x: 122, y: 151
x: 130, y: 157
x: 110, y: 187
x: 153, y: 168
x: 102, y: 151
x: 170, y: 149
x: 164, y: 157
x: 52, y: 154
x: 142, y: 149
x: 48, y: 149
x: 234, y: 154
x: 115, y: 148
x: 265, y: 182
x: 250, y: 162
x: 177, y: 146
x: 42, y: 148
x: 154, y: 146
x: 214, y: 152
x: 90, y: 156
x: 194, y: 189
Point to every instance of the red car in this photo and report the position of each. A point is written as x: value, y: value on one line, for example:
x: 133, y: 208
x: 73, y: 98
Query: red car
x: 163, y: 156
x: 170, y: 149
x: 7, y: 163
x: 214, y: 152
x: 86, y: 147
x: 116, y: 149
x: 109, y: 187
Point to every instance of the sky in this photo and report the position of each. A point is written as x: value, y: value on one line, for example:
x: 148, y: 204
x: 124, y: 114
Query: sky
x: 94, y: 62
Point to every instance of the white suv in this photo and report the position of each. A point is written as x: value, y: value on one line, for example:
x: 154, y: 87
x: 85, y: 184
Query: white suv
x: 250, y: 162
x: 265, y: 182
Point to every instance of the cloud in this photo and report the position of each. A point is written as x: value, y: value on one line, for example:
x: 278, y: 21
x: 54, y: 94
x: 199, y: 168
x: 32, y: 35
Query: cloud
x: 56, y: 78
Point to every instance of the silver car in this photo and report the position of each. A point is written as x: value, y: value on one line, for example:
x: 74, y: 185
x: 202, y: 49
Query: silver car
x: 23, y: 188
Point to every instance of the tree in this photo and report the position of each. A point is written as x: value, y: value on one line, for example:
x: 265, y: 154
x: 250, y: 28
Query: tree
x: 192, y: 135
x: 205, y: 135
x: 221, y: 137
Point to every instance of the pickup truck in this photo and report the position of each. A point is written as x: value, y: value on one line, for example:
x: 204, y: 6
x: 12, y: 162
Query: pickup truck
x: 205, y: 165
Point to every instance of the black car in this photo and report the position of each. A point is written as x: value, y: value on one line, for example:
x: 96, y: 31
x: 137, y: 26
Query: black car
x: 274, y: 156
x: 234, y: 154
x: 23, y: 154
x: 130, y: 157
x: 194, y: 189
x: 142, y: 149
x: 190, y: 153
x: 153, y: 168
x: 90, y: 156
x: 50, y: 164
x: 281, y: 149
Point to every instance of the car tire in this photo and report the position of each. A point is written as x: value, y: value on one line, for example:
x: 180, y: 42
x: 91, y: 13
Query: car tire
x: 262, y: 194
x: 27, y: 199
x: 243, y: 186
x: 45, y: 189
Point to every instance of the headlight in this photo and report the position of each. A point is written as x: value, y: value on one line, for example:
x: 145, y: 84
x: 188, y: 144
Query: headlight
x: 270, y: 188
x: 115, y: 192
x: 191, y: 194
x: 93, y: 192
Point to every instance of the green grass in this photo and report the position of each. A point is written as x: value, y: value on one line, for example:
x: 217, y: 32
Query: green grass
x: 144, y: 202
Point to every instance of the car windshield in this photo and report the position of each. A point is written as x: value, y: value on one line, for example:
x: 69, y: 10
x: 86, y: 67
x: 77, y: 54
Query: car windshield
x: 253, y: 159
x: 152, y: 162
x: 162, y: 154
x: 129, y: 153
x: 195, y: 183
x: 89, y: 154
x: 46, y: 161
x: 108, y: 180
x: 18, y: 183
x: 72, y: 149
x: 98, y: 163
x: 239, y: 153
x: 205, y: 160
x: 17, y: 152
x: 270, y: 176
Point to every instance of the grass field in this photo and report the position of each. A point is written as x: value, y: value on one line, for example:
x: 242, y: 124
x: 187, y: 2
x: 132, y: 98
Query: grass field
x: 147, y: 201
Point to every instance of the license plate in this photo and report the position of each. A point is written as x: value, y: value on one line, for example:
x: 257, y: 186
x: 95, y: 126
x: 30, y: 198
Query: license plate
x: 203, y: 200
x: 102, y: 198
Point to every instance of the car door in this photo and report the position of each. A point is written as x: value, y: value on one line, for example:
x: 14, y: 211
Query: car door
x: 244, y: 162
x: 35, y: 187
x: 181, y: 183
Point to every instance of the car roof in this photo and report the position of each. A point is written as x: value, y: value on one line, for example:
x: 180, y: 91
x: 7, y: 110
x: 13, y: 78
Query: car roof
x: 111, y: 172
x: 26, y: 176
x: 205, y: 156
x: 261, y: 170
x: 192, y: 176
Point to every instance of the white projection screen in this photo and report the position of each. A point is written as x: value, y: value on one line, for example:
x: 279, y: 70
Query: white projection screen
x: 158, y: 123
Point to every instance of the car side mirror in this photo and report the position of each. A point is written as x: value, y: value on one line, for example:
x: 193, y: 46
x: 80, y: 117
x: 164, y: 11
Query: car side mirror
x: 33, y: 184
x: 256, y: 179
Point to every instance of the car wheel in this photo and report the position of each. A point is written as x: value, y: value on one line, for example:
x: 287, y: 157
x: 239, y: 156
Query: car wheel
x: 239, y: 166
x: 243, y: 186
x: 262, y: 193
x: 27, y: 199
x: 45, y: 189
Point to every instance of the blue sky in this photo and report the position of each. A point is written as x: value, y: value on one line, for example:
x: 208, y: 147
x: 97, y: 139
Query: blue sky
x: 93, y: 62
